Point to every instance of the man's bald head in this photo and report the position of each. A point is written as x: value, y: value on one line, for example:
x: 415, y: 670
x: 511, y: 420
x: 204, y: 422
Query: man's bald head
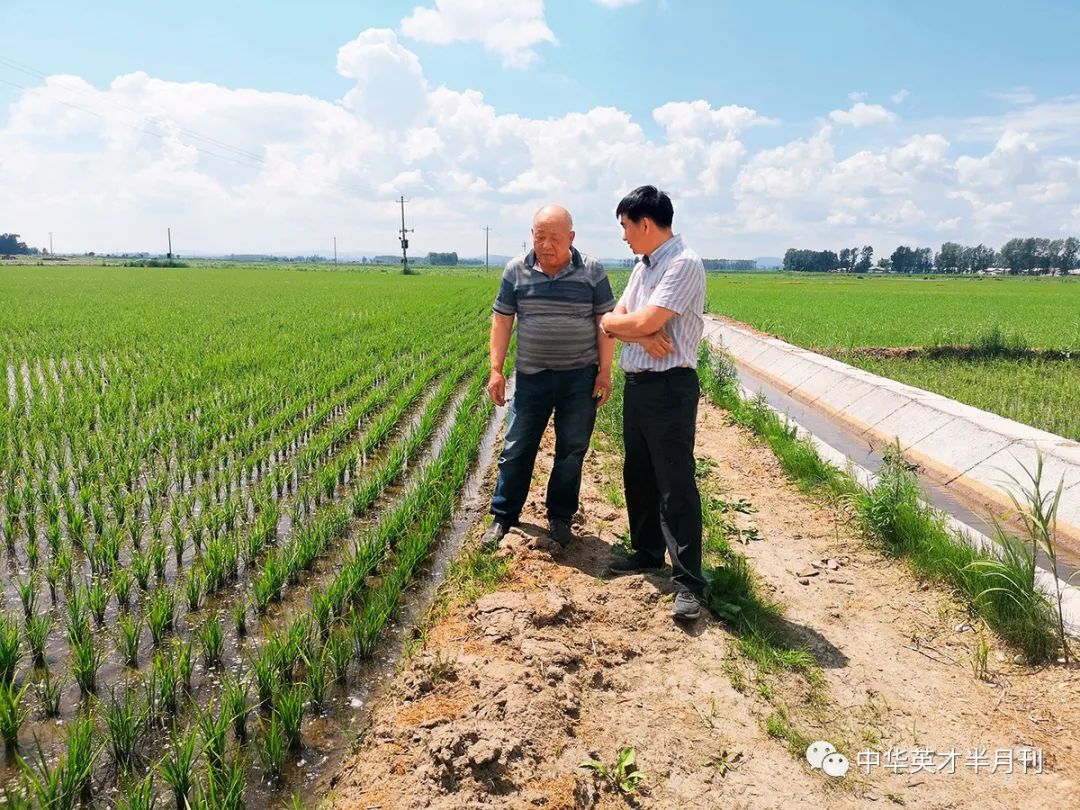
x: 553, y: 235
x: 554, y: 215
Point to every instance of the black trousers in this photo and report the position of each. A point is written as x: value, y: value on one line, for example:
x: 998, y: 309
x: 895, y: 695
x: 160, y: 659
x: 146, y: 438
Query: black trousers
x: 662, y: 500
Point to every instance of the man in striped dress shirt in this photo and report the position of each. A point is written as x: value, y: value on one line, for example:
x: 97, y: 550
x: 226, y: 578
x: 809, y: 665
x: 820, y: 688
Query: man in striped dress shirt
x: 660, y: 319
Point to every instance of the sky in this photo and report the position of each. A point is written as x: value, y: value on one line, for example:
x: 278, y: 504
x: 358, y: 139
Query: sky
x: 272, y: 127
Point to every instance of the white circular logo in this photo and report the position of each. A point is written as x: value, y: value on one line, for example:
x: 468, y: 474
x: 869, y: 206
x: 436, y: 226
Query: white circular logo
x: 835, y: 764
x: 817, y: 752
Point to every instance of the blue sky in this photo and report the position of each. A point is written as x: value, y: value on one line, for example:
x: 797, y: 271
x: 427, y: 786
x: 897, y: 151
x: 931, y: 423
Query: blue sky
x: 968, y: 73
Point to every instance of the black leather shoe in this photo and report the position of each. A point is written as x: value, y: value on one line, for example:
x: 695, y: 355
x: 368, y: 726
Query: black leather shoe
x: 636, y: 563
x: 560, y: 532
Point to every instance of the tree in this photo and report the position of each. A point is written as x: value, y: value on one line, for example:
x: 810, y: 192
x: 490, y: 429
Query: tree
x: 1069, y: 250
x: 866, y: 258
x: 903, y: 260
x: 10, y: 245
x: 950, y: 259
x: 980, y: 258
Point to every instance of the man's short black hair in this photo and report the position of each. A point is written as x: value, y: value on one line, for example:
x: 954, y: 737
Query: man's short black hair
x: 647, y: 201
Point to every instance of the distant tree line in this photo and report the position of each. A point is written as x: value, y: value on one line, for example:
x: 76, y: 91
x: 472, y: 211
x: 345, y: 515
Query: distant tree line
x: 1030, y: 256
x: 729, y: 264
x: 442, y: 259
x: 11, y: 246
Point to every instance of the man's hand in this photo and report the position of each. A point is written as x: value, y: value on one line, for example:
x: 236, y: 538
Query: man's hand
x: 602, y: 387
x: 656, y: 345
x: 496, y: 388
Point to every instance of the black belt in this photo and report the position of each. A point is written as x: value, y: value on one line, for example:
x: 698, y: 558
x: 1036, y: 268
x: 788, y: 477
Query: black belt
x: 642, y: 377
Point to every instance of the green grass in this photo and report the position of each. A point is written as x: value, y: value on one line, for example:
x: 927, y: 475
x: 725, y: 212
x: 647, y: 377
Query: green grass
x: 835, y: 314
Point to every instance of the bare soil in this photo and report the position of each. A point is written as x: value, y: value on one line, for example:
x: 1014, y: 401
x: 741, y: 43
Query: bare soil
x: 512, y: 692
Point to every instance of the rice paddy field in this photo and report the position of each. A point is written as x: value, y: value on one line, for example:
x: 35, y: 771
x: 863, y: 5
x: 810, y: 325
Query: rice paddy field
x: 216, y: 485
x: 1007, y: 345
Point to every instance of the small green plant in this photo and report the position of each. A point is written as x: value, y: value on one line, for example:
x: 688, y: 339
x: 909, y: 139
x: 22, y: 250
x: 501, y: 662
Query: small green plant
x: 178, y: 766
x: 50, y: 692
x: 212, y: 639
x: 234, y: 705
x: 289, y: 708
x: 214, y: 728
x: 86, y: 660
x: 726, y: 761
x: 124, y: 723
x: 623, y: 775
x: 13, y: 713
x: 239, y: 614
x: 272, y: 750
x: 121, y: 584
x: 138, y: 795
x: 128, y: 634
x: 97, y: 598
x: 194, y: 589
x: 10, y: 649
x: 37, y: 632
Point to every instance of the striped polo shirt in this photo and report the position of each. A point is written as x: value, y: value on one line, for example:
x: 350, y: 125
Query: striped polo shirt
x: 673, y: 277
x: 556, y: 316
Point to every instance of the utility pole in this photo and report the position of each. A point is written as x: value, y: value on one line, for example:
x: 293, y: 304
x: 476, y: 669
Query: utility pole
x: 487, y: 243
x: 50, y: 243
x: 404, y: 240
x: 524, y: 247
x: 169, y: 254
x: 335, y: 251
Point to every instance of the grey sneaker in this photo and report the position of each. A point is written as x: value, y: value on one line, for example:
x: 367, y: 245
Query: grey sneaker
x: 636, y: 563
x: 496, y: 532
x: 687, y: 607
x: 560, y: 532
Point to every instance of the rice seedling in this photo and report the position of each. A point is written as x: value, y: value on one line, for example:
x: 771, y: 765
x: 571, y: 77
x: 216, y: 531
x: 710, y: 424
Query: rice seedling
x: 272, y: 748
x: 212, y: 640
x: 177, y: 768
x: 160, y: 615
x: 213, y: 725
x: 37, y: 631
x: 289, y: 708
x: 316, y: 665
x: 121, y: 584
x: 97, y: 598
x: 50, y: 691
x: 140, y: 569
x: 164, y: 683
x: 27, y: 590
x: 264, y: 669
x: 128, y: 636
x: 124, y: 725
x: 138, y: 794
x: 193, y: 589
x: 13, y: 713
x: 10, y: 649
x: 239, y: 613
x: 86, y: 660
x: 185, y: 662
x: 234, y: 705
x: 339, y: 649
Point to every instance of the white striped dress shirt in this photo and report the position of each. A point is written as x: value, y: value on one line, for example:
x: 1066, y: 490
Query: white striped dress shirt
x: 673, y: 277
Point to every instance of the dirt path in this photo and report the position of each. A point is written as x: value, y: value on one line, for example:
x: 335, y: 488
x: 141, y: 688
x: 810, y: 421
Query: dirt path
x: 512, y: 691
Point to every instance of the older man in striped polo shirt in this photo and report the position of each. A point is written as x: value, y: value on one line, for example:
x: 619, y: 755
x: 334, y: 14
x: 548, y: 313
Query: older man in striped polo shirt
x: 660, y: 317
x: 558, y: 296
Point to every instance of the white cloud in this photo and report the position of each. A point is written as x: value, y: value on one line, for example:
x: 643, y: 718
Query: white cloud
x: 899, y: 96
x: 1015, y: 95
x: 510, y: 29
x: 696, y: 119
x: 616, y: 3
x: 390, y: 87
x: 863, y: 115
x: 248, y: 171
